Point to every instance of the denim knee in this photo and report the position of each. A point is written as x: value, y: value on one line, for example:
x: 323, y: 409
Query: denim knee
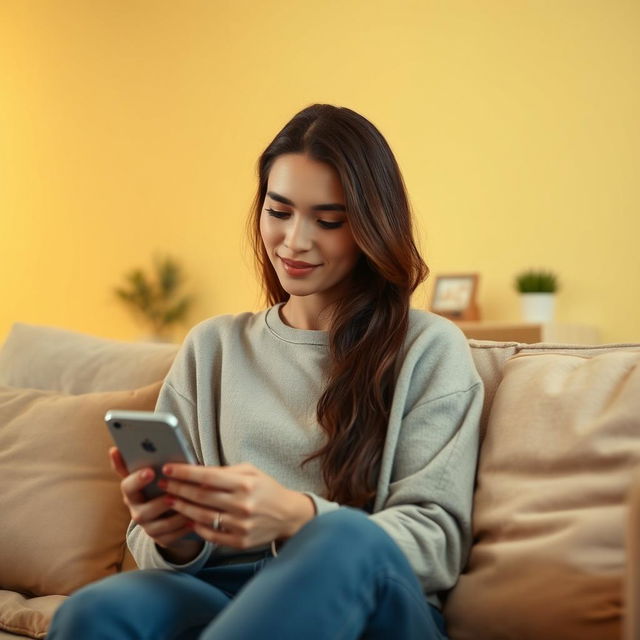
x: 79, y: 611
x: 349, y: 532
x: 89, y: 599
x: 113, y: 597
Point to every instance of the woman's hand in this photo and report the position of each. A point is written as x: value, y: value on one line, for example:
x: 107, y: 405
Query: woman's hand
x: 165, y: 530
x: 248, y: 506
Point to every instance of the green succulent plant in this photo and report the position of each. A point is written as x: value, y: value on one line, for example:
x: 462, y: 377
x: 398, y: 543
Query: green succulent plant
x: 156, y: 299
x: 536, y: 281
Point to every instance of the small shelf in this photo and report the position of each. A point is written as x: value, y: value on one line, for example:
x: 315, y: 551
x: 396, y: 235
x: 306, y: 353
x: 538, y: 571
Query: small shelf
x: 531, y: 333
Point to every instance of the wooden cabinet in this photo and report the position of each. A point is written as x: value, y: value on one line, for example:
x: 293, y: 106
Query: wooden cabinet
x: 530, y: 333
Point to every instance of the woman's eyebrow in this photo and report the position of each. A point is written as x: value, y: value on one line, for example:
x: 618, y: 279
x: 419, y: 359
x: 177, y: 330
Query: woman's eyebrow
x: 316, y: 207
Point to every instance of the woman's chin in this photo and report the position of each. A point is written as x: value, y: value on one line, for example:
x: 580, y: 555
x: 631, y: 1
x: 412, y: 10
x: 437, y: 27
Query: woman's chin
x: 297, y: 292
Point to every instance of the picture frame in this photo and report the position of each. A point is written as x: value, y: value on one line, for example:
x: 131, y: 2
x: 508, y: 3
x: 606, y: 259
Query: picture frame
x: 454, y: 296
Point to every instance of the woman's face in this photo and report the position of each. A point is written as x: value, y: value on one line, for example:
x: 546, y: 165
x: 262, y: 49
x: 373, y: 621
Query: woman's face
x: 305, y: 227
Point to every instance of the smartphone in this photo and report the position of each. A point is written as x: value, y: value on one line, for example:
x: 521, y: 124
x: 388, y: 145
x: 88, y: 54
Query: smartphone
x: 148, y: 439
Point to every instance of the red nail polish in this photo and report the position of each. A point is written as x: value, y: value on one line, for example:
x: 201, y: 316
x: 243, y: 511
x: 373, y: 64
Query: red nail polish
x: 169, y: 500
x: 163, y: 484
x: 167, y: 470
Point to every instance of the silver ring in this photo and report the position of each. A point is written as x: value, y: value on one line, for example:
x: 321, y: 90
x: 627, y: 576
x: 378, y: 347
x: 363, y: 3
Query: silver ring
x: 217, y: 520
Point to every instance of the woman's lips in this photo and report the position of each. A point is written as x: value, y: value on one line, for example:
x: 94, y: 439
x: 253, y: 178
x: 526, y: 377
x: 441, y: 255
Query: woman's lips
x: 297, y: 268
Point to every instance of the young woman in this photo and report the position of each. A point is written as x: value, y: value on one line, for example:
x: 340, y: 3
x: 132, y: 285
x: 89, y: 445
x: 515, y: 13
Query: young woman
x: 337, y: 429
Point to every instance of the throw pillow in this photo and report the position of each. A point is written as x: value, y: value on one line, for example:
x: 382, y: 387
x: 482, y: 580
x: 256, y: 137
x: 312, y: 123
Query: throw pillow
x: 548, y: 559
x: 63, y: 520
x: 27, y: 616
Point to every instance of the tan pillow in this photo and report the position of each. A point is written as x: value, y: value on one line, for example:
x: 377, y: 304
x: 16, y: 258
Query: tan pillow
x: 38, y: 357
x: 27, y: 616
x: 63, y: 520
x: 549, y: 513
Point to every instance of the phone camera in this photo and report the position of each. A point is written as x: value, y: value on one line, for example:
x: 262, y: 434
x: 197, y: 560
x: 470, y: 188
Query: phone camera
x: 117, y: 425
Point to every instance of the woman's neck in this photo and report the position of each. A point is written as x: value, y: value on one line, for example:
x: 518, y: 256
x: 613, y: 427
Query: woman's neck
x: 307, y: 313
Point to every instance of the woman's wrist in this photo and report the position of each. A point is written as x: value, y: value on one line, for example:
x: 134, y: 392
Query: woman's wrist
x: 301, y: 509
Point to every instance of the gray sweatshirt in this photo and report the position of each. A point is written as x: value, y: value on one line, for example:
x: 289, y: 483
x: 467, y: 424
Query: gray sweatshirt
x: 245, y: 389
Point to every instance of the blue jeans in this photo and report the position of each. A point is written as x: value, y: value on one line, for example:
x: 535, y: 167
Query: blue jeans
x: 340, y: 577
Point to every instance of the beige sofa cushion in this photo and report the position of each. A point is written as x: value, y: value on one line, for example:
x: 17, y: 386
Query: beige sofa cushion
x: 63, y: 520
x: 561, y: 446
x: 489, y: 358
x: 39, y: 357
x: 27, y: 616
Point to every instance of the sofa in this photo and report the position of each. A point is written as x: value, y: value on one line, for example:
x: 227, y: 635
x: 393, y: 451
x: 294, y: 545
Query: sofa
x: 556, y: 506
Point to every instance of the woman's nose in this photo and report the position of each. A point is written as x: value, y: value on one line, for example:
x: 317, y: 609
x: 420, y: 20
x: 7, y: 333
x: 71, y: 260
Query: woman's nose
x: 298, y: 236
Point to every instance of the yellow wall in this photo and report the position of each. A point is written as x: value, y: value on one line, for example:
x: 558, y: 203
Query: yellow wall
x: 130, y: 126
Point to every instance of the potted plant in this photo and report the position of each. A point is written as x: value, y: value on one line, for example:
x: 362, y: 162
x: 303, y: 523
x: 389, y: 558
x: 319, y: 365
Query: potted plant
x: 156, y: 300
x: 537, y: 290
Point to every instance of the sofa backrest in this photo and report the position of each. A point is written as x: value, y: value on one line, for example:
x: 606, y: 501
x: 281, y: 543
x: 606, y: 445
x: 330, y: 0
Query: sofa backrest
x: 52, y: 359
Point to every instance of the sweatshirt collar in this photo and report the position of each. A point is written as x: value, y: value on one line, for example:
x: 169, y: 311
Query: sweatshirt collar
x: 283, y: 331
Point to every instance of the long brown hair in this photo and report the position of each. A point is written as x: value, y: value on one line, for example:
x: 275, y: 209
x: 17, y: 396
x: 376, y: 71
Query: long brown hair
x: 370, y: 322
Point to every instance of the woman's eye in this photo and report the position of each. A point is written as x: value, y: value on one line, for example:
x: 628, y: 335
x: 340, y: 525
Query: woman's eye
x: 330, y: 225
x: 281, y: 215
x: 284, y: 215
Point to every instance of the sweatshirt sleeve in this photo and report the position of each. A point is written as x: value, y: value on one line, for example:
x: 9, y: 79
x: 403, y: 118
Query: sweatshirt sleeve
x: 181, y: 376
x: 320, y: 504
x: 428, y: 500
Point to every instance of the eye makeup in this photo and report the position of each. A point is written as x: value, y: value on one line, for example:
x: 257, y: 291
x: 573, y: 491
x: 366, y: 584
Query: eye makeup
x: 284, y: 215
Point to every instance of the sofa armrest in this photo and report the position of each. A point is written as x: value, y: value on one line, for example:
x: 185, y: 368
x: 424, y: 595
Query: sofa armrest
x: 632, y: 587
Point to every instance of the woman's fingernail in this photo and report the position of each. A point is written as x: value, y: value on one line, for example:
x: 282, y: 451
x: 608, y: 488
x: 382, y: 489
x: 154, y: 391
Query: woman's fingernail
x: 169, y: 500
x: 145, y: 474
x: 167, y: 470
x: 163, y: 484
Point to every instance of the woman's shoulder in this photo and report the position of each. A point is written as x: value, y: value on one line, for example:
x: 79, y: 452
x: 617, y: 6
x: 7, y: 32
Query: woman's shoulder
x: 218, y: 329
x: 435, y: 344
x: 431, y: 327
x: 205, y: 344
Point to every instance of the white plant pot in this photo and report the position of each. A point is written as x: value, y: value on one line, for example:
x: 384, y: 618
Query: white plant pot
x: 538, y: 307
